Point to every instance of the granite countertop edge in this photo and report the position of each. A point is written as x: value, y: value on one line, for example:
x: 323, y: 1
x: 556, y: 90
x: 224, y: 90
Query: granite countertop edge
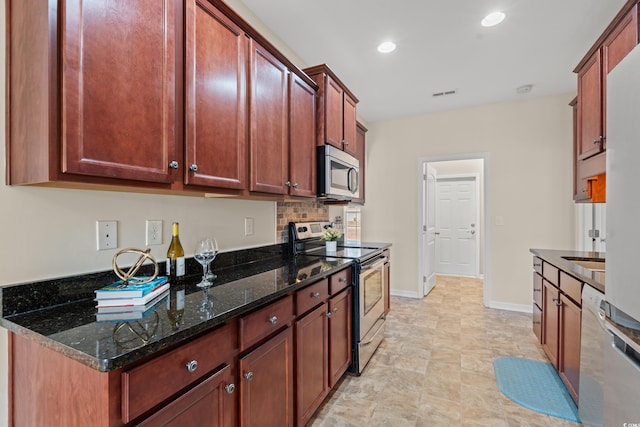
x: 142, y: 352
x: 555, y: 257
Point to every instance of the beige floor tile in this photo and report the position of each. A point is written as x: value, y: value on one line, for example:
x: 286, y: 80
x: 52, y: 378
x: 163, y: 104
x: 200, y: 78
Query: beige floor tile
x: 435, y: 366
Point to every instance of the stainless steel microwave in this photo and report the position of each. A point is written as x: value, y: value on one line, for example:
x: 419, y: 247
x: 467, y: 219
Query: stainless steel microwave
x: 338, y: 174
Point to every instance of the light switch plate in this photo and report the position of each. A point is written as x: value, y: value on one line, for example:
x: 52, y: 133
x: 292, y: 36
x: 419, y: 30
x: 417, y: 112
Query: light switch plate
x: 106, y: 235
x: 248, y: 226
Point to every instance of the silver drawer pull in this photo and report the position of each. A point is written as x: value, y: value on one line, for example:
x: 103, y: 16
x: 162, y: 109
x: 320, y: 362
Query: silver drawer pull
x: 230, y: 388
x: 328, y: 315
x: 342, y: 280
x: 335, y: 310
x: 316, y: 295
x: 192, y: 366
x: 273, y: 320
x: 248, y: 376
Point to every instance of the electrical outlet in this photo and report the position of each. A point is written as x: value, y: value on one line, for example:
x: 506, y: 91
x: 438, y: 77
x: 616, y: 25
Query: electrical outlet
x: 154, y: 232
x: 248, y: 226
x: 106, y: 235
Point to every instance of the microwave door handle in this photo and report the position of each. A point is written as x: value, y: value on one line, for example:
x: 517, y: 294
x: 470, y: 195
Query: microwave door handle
x: 353, y: 188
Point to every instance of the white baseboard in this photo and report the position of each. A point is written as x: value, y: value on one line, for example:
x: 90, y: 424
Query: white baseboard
x: 406, y: 294
x: 523, y: 308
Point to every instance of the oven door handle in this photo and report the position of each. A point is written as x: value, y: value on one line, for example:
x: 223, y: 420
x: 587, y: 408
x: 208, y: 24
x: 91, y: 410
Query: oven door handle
x: 381, y: 259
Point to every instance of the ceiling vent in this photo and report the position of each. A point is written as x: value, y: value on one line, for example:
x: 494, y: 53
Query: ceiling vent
x: 445, y: 93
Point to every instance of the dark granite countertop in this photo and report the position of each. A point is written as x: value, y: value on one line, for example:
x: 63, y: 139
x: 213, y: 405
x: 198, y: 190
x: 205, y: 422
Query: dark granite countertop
x: 555, y: 257
x: 60, y: 314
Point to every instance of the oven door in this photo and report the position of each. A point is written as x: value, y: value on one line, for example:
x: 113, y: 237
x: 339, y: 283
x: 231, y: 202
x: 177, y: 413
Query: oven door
x: 371, y: 293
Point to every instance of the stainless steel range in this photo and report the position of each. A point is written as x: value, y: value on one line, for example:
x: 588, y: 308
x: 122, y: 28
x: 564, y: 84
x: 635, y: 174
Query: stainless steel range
x: 369, y: 284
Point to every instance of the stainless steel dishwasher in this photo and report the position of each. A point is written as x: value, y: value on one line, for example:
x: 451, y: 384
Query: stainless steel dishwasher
x: 592, y: 348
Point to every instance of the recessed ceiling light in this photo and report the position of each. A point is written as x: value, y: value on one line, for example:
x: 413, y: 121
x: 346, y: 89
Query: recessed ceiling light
x: 386, y: 47
x: 492, y: 19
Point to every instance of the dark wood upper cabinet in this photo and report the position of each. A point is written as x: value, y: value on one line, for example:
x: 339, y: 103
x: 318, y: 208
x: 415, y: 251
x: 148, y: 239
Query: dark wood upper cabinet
x: 590, y: 113
x: 118, y: 88
x: 302, y: 141
x: 175, y: 96
x: 269, y: 134
x: 361, y: 155
x: 215, y: 99
x: 76, y: 112
x: 337, y: 112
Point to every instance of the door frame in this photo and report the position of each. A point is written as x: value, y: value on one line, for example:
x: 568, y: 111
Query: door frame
x: 468, y: 177
x: 486, y: 209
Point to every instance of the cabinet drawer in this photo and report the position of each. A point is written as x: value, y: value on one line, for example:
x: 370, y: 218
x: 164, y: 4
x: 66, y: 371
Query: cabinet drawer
x: 537, y: 289
x: 339, y: 281
x: 571, y: 286
x: 263, y: 322
x: 537, y: 265
x: 147, y: 385
x: 311, y: 296
x: 550, y: 273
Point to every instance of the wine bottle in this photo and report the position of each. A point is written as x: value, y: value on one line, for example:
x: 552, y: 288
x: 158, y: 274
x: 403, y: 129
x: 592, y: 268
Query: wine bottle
x: 175, y: 306
x: 175, y: 255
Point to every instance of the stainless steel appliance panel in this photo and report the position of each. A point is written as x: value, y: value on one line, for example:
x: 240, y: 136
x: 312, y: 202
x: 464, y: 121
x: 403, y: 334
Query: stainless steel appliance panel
x: 592, y: 342
x: 622, y: 380
x: 338, y: 174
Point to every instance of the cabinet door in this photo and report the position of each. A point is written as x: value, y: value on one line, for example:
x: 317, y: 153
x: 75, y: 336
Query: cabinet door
x: 119, y: 89
x: 302, y: 142
x: 269, y: 138
x: 215, y: 99
x: 312, y: 351
x: 550, y: 321
x: 340, y: 344
x: 570, y: 329
x: 211, y: 404
x: 333, y: 114
x: 590, y: 107
x: 349, y: 133
x: 266, y: 383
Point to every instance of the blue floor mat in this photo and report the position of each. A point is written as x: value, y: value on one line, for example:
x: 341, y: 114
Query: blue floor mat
x: 535, y: 385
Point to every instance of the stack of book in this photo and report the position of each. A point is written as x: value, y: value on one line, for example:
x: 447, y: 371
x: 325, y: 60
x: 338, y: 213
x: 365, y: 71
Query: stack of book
x: 130, y: 301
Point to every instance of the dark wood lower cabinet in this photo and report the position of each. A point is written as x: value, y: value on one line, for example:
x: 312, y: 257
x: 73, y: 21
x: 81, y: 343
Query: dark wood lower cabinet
x: 340, y: 346
x: 210, y: 404
x: 312, y: 370
x: 266, y: 383
x: 570, y: 327
x: 550, y: 320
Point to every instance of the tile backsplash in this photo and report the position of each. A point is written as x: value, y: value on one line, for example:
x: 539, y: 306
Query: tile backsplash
x: 299, y: 212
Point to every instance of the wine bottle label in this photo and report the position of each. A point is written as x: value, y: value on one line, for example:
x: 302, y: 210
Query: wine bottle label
x: 180, y: 267
x: 168, y: 264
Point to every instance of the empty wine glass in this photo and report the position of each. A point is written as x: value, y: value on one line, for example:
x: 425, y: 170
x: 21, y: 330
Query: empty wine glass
x: 205, y: 253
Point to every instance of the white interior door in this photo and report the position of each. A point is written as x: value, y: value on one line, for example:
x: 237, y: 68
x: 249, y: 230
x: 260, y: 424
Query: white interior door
x: 429, y: 228
x: 457, y: 225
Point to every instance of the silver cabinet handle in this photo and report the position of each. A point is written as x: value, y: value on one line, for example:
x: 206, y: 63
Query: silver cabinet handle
x: 316, y: 295
x: 174, y: 165
x: 335, y: 310
x: 342, y: 280
x: 273, y: 320
x: 288, y: 183
x: 248, y: 376
x: 295, y: 185
x: 328, y: 315
x: 345, y: 142
x: 193, y: 168
x: 230, y: 388
x: 192, y: 366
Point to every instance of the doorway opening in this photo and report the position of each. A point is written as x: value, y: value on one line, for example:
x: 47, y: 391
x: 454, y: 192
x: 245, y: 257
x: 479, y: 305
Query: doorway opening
x: 453, y: 232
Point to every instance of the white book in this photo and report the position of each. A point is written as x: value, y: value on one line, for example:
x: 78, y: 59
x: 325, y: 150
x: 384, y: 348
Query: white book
x: 122, y: 302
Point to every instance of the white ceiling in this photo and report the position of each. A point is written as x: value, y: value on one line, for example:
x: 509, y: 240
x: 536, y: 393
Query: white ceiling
x: 441, y: 46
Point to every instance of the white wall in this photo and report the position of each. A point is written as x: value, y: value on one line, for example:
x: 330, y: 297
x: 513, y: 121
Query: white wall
x: 529, y: 176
